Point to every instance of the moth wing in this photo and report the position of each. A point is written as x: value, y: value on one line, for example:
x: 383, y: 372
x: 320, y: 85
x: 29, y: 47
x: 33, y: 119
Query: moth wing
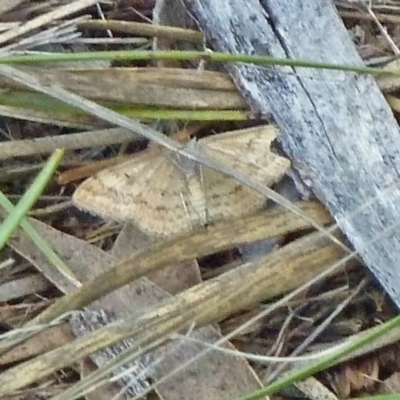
x: 148, y: 191
x: 107, y: 193
x: 227, y: 198
x: 248, y: 151
x: 160, y: 209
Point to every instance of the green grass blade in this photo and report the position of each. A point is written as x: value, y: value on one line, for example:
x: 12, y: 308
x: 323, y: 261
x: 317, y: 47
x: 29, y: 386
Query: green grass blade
x: 187, y: 56
x: 29, y: 198
x: 323, y: 364
x: 16, y: 215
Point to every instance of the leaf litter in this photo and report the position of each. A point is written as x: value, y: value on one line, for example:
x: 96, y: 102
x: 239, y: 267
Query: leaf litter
x: 280, y: 334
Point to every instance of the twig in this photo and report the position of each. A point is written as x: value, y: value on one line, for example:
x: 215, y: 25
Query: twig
x: 38, y: 22
x: 104, y: 137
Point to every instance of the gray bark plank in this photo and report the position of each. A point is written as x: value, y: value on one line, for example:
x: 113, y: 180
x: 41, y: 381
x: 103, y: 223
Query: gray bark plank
x: 336, y: 127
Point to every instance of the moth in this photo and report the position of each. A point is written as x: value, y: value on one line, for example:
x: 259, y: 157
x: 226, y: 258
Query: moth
x: 167, y: 194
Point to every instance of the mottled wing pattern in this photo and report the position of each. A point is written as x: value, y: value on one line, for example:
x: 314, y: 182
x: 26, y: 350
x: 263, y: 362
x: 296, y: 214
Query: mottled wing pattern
x: 227, y: 198
x: 247, y: 151
x: 164, y: 197
x: 148, y: 191
x: 107, y: 193
x: 193, y: 198
x: 159, y: 209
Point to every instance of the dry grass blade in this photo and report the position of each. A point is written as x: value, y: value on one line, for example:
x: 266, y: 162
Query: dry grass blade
x: 108, y: 115
x: 246, y: 230
x: 81, y: 140
x: 83, y: 257
x: 192, y: 246
x: 146, y: 30
x: 42, y: 20
x: 165, y: 87
x: 62, y: 117
x: 305, y: 257
x: 172, y: 88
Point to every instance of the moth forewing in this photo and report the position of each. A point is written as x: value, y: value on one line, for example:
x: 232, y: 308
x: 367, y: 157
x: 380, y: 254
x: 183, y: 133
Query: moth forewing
x: 248, y: 151
x: 235, y: 142
x: 161, y: 208
x: 227, y: 198
x: 193, y: 197
x: 109, y: 192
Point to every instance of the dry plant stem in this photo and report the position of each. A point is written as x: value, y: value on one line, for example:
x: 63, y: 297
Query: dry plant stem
x: 278, y: 227
x: 279, y: 368
x: 327, y: 321
x: 175, y: 88
x: 130, y: 124
x: 147, y: 30
x: 87, y: 170
x: 203, y: 311
x: 207, y: 241
x: 8, y: 174
x: 333, y: 268
x: 301, y: 261
x: 104, y: 137
x: 52, y: 209
x: 389, y: 338
x: 86, y: 261
x: 383, y: 18
x: 163, y: 87
x: 279, y: 222
x: 62, y: 119
x: 383, y: 30
x: 51, y: 16
x: 65, y: 31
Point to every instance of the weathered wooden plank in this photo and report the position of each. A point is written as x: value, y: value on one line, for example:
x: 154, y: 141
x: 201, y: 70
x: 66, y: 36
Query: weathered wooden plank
x: 336, y: 127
